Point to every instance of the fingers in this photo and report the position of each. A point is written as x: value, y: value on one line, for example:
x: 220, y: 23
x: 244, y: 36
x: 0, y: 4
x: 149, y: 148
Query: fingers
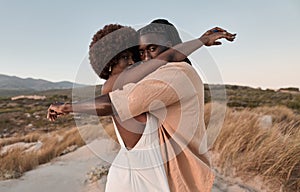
x: 54, y: 111
x: 218, y: 29
x: 214, y: 30
x: 228, y: 36
x: 51, y: 117
x: 217, y: 43
x: 231, y: 37
x: 52, y: 114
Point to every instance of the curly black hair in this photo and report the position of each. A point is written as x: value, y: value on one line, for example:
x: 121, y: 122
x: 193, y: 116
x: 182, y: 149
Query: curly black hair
x: 107, y: 45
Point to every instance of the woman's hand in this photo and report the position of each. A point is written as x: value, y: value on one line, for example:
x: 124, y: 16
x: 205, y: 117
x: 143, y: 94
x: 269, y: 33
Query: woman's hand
x: 55, y: 110
x: 211, y: 36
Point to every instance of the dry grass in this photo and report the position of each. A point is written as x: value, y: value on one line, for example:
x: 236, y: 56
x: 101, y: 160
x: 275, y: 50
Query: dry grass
x: 16, y: 161
x: 245, y: 149
x: 31, y: 137
x: 54, y: 146
x: 287, y: 121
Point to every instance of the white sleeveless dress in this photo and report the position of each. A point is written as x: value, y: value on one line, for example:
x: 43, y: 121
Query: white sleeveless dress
x: 140, y: 169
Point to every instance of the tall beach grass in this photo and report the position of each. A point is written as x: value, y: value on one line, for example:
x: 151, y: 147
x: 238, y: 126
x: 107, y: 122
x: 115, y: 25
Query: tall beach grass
x: 245, y: 148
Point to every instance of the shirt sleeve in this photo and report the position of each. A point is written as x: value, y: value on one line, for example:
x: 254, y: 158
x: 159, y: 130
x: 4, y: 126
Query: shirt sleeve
x: 165, y: 86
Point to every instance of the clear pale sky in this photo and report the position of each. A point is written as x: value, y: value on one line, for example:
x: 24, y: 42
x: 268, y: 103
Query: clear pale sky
x: 50, y: 39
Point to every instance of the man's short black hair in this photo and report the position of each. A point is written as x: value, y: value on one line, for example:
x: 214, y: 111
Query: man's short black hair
x: 163, y: 26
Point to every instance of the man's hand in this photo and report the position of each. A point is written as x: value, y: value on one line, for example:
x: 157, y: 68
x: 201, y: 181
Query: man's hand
x: 211, y: 36
x: 55, y: 110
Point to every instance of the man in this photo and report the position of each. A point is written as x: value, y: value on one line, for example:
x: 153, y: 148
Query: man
x: 174, y: 94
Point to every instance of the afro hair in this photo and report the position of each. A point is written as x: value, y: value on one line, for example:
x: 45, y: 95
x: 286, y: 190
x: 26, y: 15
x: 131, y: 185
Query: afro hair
x: 107, y: 44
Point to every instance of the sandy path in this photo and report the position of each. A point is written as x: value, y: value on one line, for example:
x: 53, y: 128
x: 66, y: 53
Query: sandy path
x: 66, y: 173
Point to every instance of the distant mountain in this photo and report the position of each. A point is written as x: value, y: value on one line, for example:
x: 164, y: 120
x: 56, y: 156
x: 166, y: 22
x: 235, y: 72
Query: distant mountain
x: 12, y: 85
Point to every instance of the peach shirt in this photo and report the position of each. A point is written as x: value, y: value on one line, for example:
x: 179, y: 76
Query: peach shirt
x: 174, y: 93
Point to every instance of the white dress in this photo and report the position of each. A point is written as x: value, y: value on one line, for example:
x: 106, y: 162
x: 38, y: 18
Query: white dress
x: 139, y: 169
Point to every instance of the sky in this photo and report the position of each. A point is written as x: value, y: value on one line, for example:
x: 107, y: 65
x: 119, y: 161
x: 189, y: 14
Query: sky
x: 49, y: 39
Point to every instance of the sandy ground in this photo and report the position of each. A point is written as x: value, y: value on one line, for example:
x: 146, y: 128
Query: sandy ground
x: 68, y: 174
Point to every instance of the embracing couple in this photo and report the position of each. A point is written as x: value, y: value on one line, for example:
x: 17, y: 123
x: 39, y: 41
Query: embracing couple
x: 156, y: 99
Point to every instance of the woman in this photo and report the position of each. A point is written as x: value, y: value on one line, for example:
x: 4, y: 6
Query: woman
x: 138, y: 165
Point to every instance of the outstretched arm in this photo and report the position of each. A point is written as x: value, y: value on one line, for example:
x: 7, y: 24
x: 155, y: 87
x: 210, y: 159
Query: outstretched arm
x: 100, y: 106
x: 174, y: 54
